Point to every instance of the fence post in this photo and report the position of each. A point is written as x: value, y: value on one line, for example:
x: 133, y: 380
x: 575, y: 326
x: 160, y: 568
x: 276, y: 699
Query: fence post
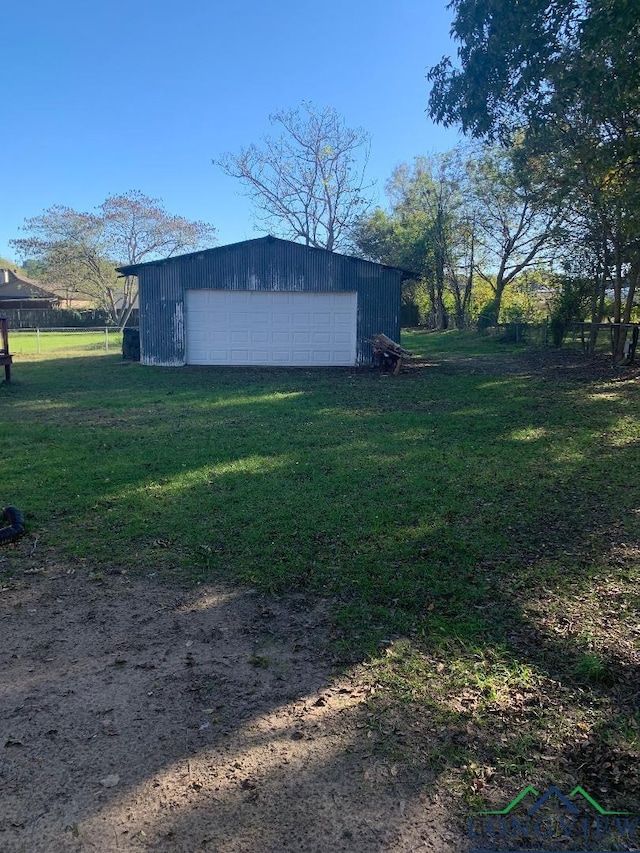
x: 38, y: 340
x: 106, y: 339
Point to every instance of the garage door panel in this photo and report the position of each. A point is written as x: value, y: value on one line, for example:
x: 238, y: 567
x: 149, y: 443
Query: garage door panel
x: 233, y: 297
x: 239, y: 356
x: 199, y: 335
x: 281, y: 338
x: 286, y: 328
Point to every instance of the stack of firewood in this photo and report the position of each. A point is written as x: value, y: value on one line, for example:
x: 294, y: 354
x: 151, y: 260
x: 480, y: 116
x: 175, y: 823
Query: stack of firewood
x: 387, y: 353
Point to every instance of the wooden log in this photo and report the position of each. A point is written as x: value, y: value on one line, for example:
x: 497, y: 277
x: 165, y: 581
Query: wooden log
x: 382, y: 343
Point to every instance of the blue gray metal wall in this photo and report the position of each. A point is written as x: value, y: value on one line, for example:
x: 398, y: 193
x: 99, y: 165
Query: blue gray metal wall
x: 263, y: 264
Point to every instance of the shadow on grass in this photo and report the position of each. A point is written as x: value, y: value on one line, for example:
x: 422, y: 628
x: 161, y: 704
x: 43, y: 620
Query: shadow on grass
x: 471, y: 525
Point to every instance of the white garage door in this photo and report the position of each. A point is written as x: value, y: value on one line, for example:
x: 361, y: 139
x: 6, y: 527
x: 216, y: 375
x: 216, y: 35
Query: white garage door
x: 257, y: 327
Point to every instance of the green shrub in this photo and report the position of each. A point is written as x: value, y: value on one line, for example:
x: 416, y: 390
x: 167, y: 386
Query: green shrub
x: 488, y: 315
x: 570, y: 306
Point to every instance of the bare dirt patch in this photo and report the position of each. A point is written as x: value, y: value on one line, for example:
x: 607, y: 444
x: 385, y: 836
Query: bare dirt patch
x: 140, y: 717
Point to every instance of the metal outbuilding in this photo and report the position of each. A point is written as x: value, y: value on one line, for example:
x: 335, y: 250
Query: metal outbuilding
x: 265, y: 302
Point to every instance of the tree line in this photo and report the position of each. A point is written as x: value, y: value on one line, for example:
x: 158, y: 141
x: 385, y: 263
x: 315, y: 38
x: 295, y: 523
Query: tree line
x: 462, y: 222
x: 557, y: 84
x: 517, y: 210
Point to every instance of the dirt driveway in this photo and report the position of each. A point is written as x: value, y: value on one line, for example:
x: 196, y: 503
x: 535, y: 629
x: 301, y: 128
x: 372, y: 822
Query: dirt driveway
x: 138, y: 717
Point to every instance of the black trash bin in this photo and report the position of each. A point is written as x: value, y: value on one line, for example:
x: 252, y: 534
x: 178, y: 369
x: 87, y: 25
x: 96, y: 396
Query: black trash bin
x: 131, y: 343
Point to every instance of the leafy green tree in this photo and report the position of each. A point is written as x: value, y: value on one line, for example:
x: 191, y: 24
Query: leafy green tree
x: 562, y: 78
x: 67, y: 250
x: 527, y: 63
x: 423, y: 232
x: 34, y: 269
x: 78, y: 252
x: 602, y: 230
x: 401, y: 242
x: 571, y: 305
x: 456, y: 218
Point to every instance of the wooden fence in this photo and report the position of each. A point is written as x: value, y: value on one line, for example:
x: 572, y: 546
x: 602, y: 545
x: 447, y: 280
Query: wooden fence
x: 58, y: 318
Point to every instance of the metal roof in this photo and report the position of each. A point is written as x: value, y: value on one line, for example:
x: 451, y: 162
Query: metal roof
x: 132, y: 269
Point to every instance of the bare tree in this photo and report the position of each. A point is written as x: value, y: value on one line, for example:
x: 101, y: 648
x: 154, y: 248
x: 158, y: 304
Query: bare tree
x: 70, y: 254
x: 136, y: 228
x: 308, y: 184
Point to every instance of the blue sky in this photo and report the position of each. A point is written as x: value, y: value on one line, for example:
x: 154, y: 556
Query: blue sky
x: 114, y: 95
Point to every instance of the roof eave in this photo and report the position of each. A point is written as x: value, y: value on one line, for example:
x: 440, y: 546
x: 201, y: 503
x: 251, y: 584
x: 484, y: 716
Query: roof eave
x: 132, y: 269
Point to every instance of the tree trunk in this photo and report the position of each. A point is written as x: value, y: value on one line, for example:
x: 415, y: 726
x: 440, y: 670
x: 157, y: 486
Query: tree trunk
x: 125, y: 317
x: 499, y: 290
x: 459, y: 307
x: 597, y: 298
x: 619, y: 333
x: 596, y: 314
x: 468, y: 288
x: 633, y: 284
x: 442, y: 320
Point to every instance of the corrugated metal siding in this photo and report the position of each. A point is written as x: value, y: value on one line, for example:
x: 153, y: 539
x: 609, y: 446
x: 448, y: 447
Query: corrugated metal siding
x: 161, y: 300
x: 263, y: 264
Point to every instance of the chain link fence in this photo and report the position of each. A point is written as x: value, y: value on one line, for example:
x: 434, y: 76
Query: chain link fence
x: 64, y: 342
x: 576, y: 336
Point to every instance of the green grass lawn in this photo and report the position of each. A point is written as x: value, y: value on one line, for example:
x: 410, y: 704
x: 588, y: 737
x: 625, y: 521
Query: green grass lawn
x: 474, y: 524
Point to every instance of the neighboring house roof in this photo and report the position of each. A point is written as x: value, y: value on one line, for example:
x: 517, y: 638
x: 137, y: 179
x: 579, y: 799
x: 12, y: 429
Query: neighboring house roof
x: 18, y: 291
x: 132, y: 269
